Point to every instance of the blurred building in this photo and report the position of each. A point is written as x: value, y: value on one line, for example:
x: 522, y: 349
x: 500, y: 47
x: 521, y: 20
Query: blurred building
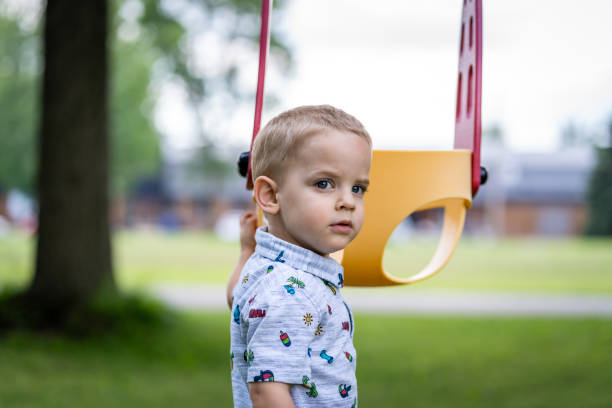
x: 533, y: 193
x: 539, y: 194
x: 17, y: 210
x: 180, y: 198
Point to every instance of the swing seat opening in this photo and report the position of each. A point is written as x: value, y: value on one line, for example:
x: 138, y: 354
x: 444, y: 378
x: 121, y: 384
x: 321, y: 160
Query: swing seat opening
x: 404, y: 182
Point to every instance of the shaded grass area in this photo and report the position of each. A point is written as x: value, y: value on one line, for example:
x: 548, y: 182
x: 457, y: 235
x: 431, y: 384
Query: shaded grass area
x: 402, y: 361
x: 106, y: 311
x: 150, y: 257
x: 184, y: 365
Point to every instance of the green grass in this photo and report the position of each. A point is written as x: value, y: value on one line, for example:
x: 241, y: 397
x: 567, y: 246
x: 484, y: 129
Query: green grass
x: 185, y: 365
x: 149, y: 257
x: 140, y: 258
x: 401, y: 361
x: 548, y: 265
x: 484, y: 362
x: 16, y: 259
x: 561, y: 265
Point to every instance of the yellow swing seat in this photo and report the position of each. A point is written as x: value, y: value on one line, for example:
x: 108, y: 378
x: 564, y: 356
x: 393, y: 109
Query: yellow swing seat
x: 404, y: 182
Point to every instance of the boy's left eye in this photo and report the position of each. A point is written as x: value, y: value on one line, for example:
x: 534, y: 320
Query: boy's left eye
x: 358, y: 189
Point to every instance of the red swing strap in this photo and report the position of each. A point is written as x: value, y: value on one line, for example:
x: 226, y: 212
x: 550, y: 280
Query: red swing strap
x: 469, y: 85
x: 264, y: 45
x: 469, y: 88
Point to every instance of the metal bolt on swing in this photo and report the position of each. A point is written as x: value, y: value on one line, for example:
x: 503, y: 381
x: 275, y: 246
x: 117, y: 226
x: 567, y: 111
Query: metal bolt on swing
x: 484, y: 175
x: 243, y: 164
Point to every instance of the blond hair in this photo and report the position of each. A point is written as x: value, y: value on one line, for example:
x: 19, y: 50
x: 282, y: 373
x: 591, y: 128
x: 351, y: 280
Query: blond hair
x: 282, y: 136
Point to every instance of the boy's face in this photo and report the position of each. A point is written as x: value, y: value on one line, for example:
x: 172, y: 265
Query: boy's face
x: 322, y: 191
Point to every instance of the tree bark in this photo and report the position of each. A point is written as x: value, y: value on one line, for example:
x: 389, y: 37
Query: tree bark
x: 73, y: 258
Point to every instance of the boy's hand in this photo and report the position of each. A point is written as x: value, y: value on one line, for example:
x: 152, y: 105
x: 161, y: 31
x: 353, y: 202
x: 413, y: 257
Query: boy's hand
x: 248, y: 225
x: 271, y: 395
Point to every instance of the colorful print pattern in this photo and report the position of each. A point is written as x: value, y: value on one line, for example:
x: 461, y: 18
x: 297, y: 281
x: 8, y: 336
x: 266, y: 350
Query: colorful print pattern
x: 237, y: 314
x: 264, y: 376
x: 308, y: 319
x: 324, y: 356
x: 312, y: 388
x: 248, y: 356
x: 292, y: 283
x: 344, y: 389
x: 297, y: 327
x: 284, y: 337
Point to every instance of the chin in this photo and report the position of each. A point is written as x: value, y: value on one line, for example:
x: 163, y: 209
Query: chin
x: 329, y: 246
x: 324, y: 251
x: 335, y: 248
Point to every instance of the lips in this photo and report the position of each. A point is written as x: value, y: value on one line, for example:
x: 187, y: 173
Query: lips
x: 343, y: 226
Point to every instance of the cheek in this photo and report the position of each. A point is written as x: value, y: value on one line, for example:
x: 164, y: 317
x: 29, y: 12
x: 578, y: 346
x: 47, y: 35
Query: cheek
x: 359, y: 215
x: 313, y: 211
x: 306, y: 213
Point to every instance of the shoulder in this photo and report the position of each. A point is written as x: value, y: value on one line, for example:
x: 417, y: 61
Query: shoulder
x: 277, y: 283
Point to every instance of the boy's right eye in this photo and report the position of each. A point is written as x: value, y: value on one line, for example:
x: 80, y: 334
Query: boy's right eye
x: 323, y: 184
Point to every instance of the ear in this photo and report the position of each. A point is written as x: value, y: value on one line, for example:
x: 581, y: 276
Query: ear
x: 265, y: 192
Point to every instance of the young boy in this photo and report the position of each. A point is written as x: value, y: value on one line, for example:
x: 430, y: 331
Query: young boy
x: 291, y: 331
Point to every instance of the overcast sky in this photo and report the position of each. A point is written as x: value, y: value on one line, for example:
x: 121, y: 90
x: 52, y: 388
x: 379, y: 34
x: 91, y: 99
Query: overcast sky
x: 393, y: 64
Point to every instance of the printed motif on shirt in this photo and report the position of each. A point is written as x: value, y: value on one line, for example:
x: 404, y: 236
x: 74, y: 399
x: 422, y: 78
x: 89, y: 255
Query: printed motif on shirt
x: 288, y: 325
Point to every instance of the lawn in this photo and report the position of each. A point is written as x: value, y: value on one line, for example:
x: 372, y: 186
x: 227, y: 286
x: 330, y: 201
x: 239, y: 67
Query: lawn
x: 550, y: 265
x: 401, y: 361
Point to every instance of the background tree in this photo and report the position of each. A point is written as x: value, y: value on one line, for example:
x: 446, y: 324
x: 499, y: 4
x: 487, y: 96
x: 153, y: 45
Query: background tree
x: 135, y: 141
x: 152, y: 43
x: 599, y: 195
x: 73, y: 259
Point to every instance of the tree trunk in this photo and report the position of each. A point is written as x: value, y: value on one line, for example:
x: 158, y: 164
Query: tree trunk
x: 73, y: 259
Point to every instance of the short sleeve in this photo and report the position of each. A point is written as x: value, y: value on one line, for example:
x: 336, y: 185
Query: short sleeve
x: 281, y: 326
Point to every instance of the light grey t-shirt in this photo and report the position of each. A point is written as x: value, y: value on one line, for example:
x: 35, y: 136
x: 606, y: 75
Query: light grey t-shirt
x: 290, y: 324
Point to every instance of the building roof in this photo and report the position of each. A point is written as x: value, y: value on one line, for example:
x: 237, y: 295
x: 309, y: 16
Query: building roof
x: 556, y: 177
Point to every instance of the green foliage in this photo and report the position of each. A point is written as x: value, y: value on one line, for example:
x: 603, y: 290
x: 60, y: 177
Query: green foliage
x: 233, y: 23
x: 134, y: 138
x: 208, y: 161
x: 154, y: 51
x: 135, y: 141
x: 600, y: 194
x: 19, y: 74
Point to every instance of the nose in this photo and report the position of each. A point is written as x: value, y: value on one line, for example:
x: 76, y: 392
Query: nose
x: 345, y: 200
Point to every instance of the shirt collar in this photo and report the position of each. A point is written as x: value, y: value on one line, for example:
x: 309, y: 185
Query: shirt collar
x: 276, y: 249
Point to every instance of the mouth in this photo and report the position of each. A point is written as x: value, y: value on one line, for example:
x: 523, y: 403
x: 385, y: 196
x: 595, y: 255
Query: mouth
x: 343, y: 226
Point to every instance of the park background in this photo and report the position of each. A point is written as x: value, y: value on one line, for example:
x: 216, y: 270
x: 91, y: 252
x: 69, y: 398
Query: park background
x: 181, y: 84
